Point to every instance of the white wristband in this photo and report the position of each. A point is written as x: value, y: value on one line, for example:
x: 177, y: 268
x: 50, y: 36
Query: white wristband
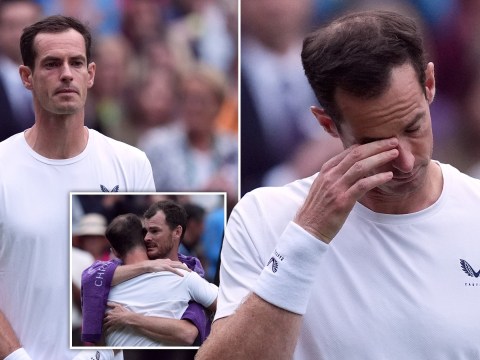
x: 19, y: 354
x: 106, y: 354
x: 287, y: 279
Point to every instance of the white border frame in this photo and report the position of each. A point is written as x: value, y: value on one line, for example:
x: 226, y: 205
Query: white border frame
x: 74, y: 193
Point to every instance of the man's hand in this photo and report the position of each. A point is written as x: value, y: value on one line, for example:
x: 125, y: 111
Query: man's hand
x: 342, y: 181
x: 166, y: 265
x: 116, y: 317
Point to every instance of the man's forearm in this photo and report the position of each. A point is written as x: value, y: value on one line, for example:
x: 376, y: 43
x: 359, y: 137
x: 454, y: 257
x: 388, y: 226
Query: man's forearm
x: 244, y: 334
x: 164, y: 330
x: 127, y: 272
x: 8, y: 340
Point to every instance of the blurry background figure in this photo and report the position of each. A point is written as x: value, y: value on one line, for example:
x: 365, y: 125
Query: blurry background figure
x: 16, y: 111
x: 106, y: 107
x: 212, y: 241
x: 89, y: 235
x: 102, y: 16
x: 204, y: 33
x: 196, y: 156
x: 142, y: 22
x: 155, y: 105
x: 276, y: 98
x: 191, y: 243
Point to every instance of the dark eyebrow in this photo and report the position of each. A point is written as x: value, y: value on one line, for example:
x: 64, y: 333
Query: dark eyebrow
x: 56, y: 58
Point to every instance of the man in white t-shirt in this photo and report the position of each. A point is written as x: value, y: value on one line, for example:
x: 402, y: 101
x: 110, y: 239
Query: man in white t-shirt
x: 377, y: 255
x: 152, y: 295
x: 40, y: 166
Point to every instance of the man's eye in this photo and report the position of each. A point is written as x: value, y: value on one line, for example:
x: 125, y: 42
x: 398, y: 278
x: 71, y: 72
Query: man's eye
x: 412, y: 130
x: 51, y: 64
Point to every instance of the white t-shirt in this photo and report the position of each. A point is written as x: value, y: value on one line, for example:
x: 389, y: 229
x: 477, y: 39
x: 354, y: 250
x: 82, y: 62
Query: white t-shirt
x: 161, y: 294
x: 388, y: 287
x: 34, y: 231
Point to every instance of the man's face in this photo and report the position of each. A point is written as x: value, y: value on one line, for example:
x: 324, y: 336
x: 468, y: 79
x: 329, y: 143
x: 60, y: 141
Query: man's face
x: 61, y: 76
x: 160, y: 240
x: 401, y: 112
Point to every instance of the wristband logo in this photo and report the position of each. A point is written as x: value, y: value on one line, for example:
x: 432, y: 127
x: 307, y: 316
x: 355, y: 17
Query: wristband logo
x: 467, y: 268
x: 274, y: 264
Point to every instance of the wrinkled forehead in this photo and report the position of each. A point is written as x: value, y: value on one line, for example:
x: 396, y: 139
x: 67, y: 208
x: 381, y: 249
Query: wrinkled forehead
x: 69, y: 41
x: 156, y: 220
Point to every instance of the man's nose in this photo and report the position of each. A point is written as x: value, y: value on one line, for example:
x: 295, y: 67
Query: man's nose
x: 66, y: 73
x: 405, y: 160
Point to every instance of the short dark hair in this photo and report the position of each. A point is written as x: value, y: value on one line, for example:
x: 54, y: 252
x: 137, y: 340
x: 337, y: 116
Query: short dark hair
x: 51, y: 24
x: 175, y: 214
x: 357, y: 52
x: 124, y: 233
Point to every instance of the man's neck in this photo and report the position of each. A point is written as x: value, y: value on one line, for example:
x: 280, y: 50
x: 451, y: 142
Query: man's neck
x: 135, y: 256
x: 58, y: 137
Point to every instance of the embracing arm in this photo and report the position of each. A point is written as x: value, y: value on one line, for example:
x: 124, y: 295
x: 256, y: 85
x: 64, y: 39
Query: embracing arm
x: 127, y: 272
x: 165, y: 330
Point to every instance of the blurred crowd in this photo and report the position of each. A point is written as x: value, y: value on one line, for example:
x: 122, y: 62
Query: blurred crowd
x: 281, y: 140
x: 91, y: 215
x: 166, y: 82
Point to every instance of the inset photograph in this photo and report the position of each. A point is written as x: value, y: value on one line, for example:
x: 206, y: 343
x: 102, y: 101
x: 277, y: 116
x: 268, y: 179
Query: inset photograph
x: 144, y: 268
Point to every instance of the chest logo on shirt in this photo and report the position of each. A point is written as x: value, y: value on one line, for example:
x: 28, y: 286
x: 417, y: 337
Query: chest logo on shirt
x: 274, y: 264
x: 115, y: 188
x: 467, y: 268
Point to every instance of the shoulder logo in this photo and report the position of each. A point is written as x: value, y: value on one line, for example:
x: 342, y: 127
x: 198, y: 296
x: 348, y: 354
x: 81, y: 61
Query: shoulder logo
x: 274, y: 264
x: 115, y: 188
x: 97, y: 355
x: 467, y: 268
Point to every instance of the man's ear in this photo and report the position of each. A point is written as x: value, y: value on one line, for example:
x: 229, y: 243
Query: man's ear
x: 430, y: 82
x: 91, y: 74
x: 26, y: 76
x: 325, y: 121
x: 178, y: 232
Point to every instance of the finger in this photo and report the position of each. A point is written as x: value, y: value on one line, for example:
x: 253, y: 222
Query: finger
x: 361, y: 152
x: 364, y: 185
x: 337, y: 159
x: 181, y: 265
x: 112, y: 304
x: 367, y: 167
x: 175, y: 271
